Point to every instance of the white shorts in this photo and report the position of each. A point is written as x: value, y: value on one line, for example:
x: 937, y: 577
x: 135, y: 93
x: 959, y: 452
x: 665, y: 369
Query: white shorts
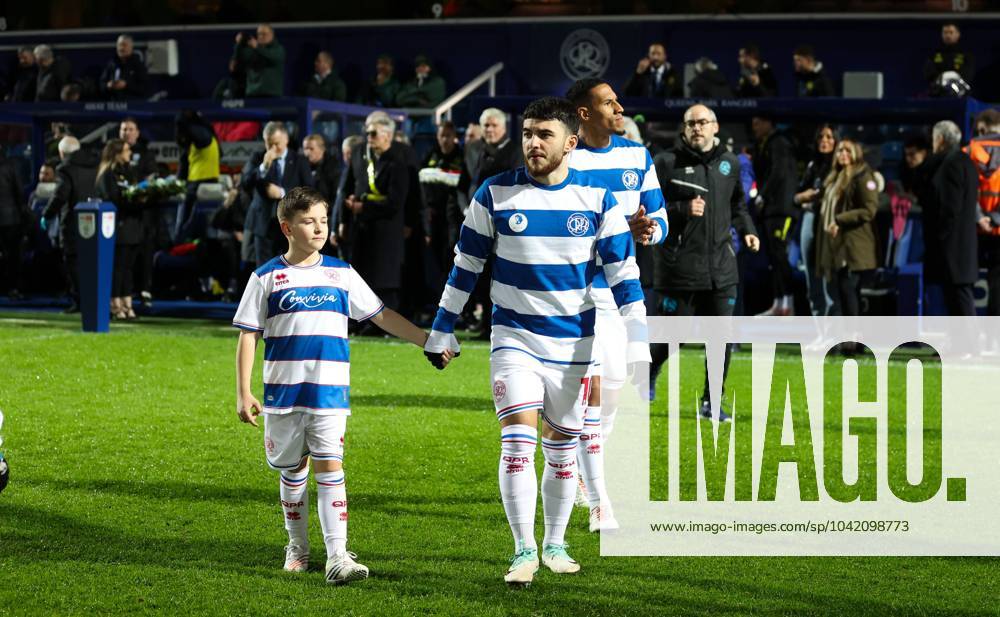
x: 610, y: 361
x: 289, y: 438
x: 523, y: 383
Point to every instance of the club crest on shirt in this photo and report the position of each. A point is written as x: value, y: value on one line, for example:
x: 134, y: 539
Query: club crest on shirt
x: 333, y: 275
x: 577, y: 224
x: 499, y: 390
x: 725, y: 168
x: 630, y: 179
x: 518, y: 222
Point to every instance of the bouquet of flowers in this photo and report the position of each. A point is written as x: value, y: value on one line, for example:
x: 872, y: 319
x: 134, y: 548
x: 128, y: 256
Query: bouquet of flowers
x: 154, y: 189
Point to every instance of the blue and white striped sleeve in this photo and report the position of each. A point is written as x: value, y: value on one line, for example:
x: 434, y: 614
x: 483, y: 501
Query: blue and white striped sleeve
x: 475, y: 243
x: 617, y: 251
x: 651, y: 198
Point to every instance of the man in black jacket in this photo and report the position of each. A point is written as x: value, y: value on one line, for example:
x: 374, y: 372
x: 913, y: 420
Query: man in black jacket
x: 756, y: 77
x: 777, y: 177
x: 378, y: 181
x: 812, y: 79
x: 654, y: 77
x: 443, y: 216
x: 75, y: 179
x: 324, y: 168
x: 125, y: 75
x: 950, y: 202
x: 15, y: 220
x: 53, y: 73
x: 694, y: 270
x: 271, y: 174
x: 25, y: 77
x: 948, y: 57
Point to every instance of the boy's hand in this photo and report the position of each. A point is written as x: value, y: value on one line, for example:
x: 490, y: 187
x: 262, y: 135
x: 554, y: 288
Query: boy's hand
x: 440, y: 360
x: 248, y: 408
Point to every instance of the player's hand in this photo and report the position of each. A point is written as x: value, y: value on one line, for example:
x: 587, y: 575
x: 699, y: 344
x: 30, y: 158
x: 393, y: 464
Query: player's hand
x: 643, y: 65
x: 440, y: 360
x: 641, y: 226
x: 697, y: 206
x: 248, y: 408
x: 752, y: 242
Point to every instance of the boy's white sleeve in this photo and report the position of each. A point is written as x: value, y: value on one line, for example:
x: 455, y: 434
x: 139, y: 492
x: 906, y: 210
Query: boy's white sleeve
x: 364, y: 304
x: 251, y: 315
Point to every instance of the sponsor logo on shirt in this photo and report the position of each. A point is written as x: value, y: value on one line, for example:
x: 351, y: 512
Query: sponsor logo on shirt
x: 291, y: 300
x: 281, y: 279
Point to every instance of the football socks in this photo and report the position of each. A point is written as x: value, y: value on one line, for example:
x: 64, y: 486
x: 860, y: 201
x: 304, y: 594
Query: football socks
x: 518, y: 484
x: 590, y: 457
x: 295, y: 503
x: 332, y: 496
x: 558, y: 487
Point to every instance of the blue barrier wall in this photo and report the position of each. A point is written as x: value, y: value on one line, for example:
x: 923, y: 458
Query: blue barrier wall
x: 531, y: 49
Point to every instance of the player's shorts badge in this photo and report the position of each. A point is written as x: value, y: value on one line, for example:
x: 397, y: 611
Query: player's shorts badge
x: 499, y: 390
x: 518, y: 222
x: 269, y: 445
x: 725, y: 168
x: 578, y: 224
x: 630, y: 179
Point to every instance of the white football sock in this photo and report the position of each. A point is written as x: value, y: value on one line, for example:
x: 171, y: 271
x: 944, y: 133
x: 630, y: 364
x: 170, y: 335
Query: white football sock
x: 332, y: 497
x: 608, y: 413
x: 558, y: 487
x: 518, y: 483
x: 295, y: 503
x: 590, y: 457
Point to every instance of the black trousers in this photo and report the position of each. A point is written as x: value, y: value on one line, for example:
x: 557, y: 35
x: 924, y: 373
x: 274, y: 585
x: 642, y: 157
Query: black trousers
x: 12, y: 255
x: 776, y: 234
x: 846, y: 290
x: 708, y: 303
x: 990, y: 258
x: 123, y: 276
x: 959, y: 299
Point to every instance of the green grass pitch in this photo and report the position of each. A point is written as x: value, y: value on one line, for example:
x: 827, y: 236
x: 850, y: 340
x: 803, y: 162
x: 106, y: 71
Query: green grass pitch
x: 135, y: 490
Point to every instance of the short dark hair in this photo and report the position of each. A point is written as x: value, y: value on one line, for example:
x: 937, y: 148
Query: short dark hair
x: 953, y: 24
x: 752, y: 50
x: 448, y: 125
x: 130, y: 119
x: 553, y: 108
x: 916, y: 140
x: 989, y: 117
x: 299, y: 199
x: 579, y: 92
x: 806, y: 51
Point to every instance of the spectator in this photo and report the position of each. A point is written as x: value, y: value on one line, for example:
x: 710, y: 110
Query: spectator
x: 47, y: 172
x: 377, y: 185
x: 269, y: 175
x: 15, y: 221
x: 71, y: 93
x: 338, y: 236
x: 25, y: 77
x: 632, y: 131
x: 233, y: 85
x: 264, y: 60
x: 499, y: 152
x: 142, y: 167
x: 845, y: 248
x: 325, y: 83
x: 53, y: 74
x: 442, y: 213
x: 809, y: 198
x: 709, y: 82
x: 114, y: 174
x: 383, y: 88
x: 219, y: 257
x: 950, y: 208
x: 75, y: 180
x: 324, y: 168
x: 694, y: 270
x: 425, y: 89
x: 654, y: 77
x: 125, y: 75
x: 756, y: 77
x: 775, y: 169
x: 810, y: 77
x: 473, y: 133
x: 984, y: 151
x: 916, y: 148
x: 948, y: 62
x: 199, y: 163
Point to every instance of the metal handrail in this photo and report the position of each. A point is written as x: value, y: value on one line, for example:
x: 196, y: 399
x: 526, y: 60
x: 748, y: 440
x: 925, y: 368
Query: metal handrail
x: 489, y: 75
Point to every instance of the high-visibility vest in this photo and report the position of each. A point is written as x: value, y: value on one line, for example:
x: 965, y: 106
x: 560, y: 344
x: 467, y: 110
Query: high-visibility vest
x: 985, y: 154
x: 203, y: 163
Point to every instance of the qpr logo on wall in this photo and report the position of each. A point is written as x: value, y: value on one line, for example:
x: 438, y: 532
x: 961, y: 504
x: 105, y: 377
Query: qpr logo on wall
x: 630, y: 179
x: 578, y: 224
x: 584, y: 53
x: 518, y: 223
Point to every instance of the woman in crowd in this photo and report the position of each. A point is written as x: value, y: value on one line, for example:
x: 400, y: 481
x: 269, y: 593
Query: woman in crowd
x: 809, y: 198
x: 846, y: 248
x: 113, y: 177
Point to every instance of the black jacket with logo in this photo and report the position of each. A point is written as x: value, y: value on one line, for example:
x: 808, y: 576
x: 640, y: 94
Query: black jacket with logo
x: 698, y: 252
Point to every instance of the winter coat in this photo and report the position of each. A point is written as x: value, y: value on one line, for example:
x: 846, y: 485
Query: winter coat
x: 854, y: 214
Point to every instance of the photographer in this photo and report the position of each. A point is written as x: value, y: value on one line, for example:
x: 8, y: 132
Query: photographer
x: 264, y: 60
x: 377, y: 184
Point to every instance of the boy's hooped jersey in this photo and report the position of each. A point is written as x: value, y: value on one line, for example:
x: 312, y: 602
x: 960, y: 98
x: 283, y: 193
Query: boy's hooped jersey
x: 303, y: 313
x: 628, y: 170
x: 546, y: 241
